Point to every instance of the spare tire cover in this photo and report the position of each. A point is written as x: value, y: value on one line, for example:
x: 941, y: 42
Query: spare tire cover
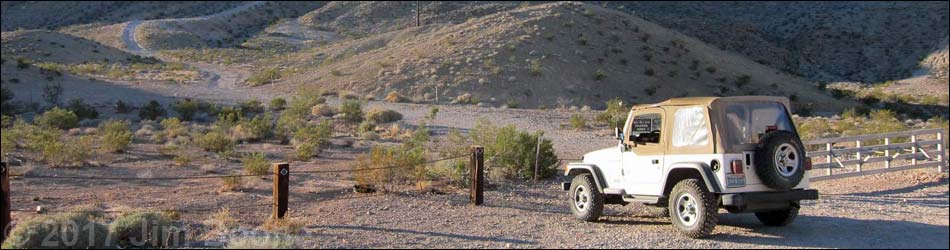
x: 780, y: 160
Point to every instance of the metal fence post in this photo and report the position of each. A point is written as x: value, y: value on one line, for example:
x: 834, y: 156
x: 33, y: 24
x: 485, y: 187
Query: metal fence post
x: 7, y: 220
x: 478, y: 175
x: 281, y: 189
x: 913, y: 150
x: 887, y: 152
x: 941, y: 152
x: 829, y: 157
x: 860, y: 156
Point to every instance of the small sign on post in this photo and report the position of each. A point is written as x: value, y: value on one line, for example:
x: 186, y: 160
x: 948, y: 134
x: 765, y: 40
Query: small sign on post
x: 477, y: 165
x: 281, y: 189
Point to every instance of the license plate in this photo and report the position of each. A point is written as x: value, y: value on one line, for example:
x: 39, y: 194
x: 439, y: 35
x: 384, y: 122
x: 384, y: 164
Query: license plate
x: 735, y: 180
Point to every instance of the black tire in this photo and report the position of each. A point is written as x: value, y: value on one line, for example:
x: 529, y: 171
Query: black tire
x: 778, y: 218
x: 587, y: 205
x: 775, y: 148
x: 699, y: 218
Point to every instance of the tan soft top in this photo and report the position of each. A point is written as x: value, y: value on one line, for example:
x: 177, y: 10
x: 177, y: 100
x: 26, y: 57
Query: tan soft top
x: 709, y: 101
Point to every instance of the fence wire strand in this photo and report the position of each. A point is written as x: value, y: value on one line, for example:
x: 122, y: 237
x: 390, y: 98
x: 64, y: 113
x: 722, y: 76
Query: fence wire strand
x: 30, y: 176
x: 379, y: 168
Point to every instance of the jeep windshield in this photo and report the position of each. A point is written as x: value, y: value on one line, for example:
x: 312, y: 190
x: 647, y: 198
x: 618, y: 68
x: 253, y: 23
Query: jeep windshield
x: 745, y: 122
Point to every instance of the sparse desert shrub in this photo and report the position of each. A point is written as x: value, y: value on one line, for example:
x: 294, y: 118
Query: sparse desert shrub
x: 152, y: 111
x: 433, y: 112
x: 186, y: 109
x: 57, y: 231
x: 72, y: 152
x: 600, y: 75
x: 367, y: 126
x: 182, y: 160
x: 123, y: 108
x: 394, y: 97
x: 58, y: 118
x: 52, y: 93
x: 115, y: 136
x: 222, y: 221
x: 352, y: 110
x: 252, y: 107
x: 254, y: 129
x: 144, y: 229
x: 278, y: 104
x: 82, y: 110
x: 348, y: 96
x: 255, y: 163
x: 578, y: 122
x: 7, y: 142
x: 375, y: 169
x: 323, y: 110
x: 266, y: 76
x: 535, y: 68
x: 519, y: 149
x: 215, y: 141
x: 512, y: 104
x: 383, y: 116
x: 615, y: 115
x: 231, y: 184
x: 742, y: 81
x: 285, y: 226
x: 171, y: 129
x: 309, y: 140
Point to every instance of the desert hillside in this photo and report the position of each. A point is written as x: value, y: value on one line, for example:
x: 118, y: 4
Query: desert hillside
x: 561, y: 54
x: 59, y: 14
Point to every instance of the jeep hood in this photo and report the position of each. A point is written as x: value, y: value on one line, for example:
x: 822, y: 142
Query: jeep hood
x: 603, y: 157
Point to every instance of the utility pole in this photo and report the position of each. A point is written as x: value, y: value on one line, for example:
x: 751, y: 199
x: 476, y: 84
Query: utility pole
x: 418, y: 14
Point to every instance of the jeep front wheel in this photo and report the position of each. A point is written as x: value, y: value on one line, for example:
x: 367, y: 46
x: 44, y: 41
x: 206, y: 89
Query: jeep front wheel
x: 778, y: 218
x: 693, y: 209
x: 587, y: 202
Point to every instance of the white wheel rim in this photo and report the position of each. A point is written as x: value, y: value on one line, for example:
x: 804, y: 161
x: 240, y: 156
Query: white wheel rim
x: 787, y: 159
x: 687, y: 210
x: 581, y: 198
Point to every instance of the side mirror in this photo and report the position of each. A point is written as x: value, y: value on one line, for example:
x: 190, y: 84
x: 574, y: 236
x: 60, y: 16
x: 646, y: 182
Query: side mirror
x: 618, y: 134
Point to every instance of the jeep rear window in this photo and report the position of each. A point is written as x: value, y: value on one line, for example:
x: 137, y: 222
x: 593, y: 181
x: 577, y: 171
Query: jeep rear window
x: 745, y: 122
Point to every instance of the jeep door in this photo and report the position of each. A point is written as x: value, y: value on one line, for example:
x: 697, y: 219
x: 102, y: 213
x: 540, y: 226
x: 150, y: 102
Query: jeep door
x: 643, y: 157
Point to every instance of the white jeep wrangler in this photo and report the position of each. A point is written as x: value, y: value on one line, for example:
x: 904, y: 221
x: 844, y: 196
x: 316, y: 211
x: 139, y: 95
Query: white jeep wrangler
x: 696, y: 155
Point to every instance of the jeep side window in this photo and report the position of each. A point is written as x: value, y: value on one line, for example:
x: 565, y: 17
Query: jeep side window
x: 647, y: 129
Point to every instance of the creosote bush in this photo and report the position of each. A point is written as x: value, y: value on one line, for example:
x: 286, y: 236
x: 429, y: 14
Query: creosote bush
x: 144, y: 229
x: 383, y: 116
x: 58, y: 118
x: 519, y: 149
x: 309, y: 140
x: 115, y: 136
x: 352, y: 111
x: 255, y: 163
x: 55, y: 231
x: 615, y: 115
x: 152, y: 111
x: 215, y: 141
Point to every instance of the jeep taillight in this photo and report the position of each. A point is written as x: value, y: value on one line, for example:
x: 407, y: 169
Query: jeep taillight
x: 737, y: 167
x: 808, y: 164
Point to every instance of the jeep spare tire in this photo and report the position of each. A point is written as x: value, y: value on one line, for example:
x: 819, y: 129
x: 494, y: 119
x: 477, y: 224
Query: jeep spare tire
x: 780, y: 160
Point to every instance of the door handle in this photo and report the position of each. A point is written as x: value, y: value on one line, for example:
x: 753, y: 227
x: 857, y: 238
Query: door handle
x: 655, y: 162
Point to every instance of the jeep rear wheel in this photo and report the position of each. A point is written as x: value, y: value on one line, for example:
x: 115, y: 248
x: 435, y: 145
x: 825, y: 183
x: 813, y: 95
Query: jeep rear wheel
x: 587, y: 202
x: 778, y: 218
x: 780, y: 160
x: 693, y: 210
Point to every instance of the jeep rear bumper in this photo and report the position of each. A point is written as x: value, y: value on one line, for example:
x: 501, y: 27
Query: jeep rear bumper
x: 766, y: 201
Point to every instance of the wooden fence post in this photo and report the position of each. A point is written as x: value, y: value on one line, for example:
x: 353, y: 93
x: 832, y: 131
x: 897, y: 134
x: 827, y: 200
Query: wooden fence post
x: 281, y: 189
x: 941, y: 152
x: 477, y: 166
x: 7, y: 220
x: 537, y: 159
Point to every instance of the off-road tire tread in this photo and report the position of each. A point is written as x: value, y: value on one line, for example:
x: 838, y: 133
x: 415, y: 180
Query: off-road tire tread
x: 710, y: 208
x: 596, y: 208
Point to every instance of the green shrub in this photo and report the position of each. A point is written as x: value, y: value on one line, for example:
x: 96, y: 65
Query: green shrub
x: 186, y: 109
x: 123, y: 108
x: 172, y: 128
x: 600, y: 75
x: 266, y: 76
x: 309, y: 140
x: 535, y: 68
x: 433, y: 112
x: 52, y: 93
x: 615, y: 115
x: 255, y: 129
x: 394, y: 97
x: 742, y: 81
x: 115, y: 136
x: 82, y: 110
x: 383, y: 116
x: 278, y: 104
x: 376, y: 168
x: 367, y: 126
x: 255, y: 163
x: 58, y: 231
x: 215, y: 141
x: 229, y: 115
x: 144, y: 229
x: 252, y: 107
x: 352, y: 110
x: 58, y: 118
x: 152, y: 111
x: 72, y: 152
x: 578, y: 121
x: 7, y: 142
x: 517, y: 149
x: 322, y: 110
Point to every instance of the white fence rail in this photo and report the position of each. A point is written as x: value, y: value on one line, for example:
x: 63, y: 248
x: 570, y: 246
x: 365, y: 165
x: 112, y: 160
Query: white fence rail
x: 879, y: 153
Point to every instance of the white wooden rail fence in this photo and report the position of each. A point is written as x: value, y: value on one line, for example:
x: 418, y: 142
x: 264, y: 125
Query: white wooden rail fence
x: 862, y: 155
